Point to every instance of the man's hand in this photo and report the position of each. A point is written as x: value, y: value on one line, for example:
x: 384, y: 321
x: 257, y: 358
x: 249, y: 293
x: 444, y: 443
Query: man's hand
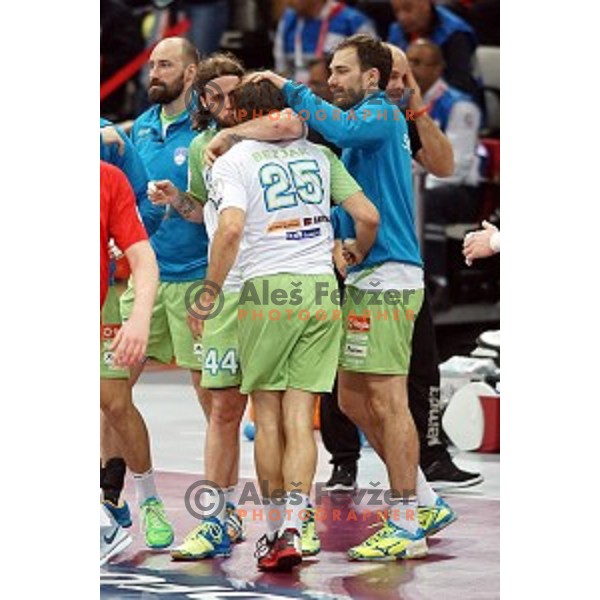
x: 111, y: 136
x: 220, y: 144
x: 196, y: 326
x: 275, y: 79
x: 351, y: 253
x: 415, y: 100
x: 130, y: 343
x: 338, y: 259
x: 162, y: 192
x: 477, y: 244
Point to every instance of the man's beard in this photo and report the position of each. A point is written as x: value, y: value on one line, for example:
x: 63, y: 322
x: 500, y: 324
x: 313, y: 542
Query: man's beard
x: 160, y: 93
x: 345, y: 99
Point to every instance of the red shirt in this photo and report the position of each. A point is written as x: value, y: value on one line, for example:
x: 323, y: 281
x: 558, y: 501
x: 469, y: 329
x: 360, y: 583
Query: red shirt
x: 119, y: 218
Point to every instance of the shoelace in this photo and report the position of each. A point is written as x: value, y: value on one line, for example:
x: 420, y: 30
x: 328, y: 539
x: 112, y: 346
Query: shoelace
x: 263, y: 546
x: 381, y: 533
x: 155, y: 515
x: 206, y: 527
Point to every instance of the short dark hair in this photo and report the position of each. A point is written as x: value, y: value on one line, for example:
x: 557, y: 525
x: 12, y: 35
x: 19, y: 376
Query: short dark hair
x: 372, y: 54
x: 255, y: 99
x: 216, y: 65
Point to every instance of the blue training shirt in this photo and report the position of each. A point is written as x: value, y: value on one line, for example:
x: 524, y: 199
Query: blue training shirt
x: 376, y: 152
x: 181, y: 246
x: 131, y: 164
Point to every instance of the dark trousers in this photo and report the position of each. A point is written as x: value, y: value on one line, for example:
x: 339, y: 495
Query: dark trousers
x: 445, y: 206
x: 340, y: 435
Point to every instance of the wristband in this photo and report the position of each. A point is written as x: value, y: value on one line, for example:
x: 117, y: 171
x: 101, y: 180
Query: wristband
x: 495, y: 241
x: 422, y: 111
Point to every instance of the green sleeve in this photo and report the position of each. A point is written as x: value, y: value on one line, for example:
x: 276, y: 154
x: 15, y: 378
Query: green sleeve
x: 343, y: 185
x: 196, y: 185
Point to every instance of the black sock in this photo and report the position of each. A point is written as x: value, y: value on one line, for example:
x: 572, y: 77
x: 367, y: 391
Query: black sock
x: 114, y: 479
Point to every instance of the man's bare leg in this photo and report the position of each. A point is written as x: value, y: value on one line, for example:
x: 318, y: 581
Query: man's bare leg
x: 129, y: 433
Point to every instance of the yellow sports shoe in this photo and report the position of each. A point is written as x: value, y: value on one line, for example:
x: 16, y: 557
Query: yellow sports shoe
x: 208, y: 540
x: 434, y: 518
x: 311, y: 544
x: 390, y: 543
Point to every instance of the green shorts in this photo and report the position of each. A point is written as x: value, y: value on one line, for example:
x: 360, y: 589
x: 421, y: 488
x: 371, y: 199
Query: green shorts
x: 221, y: 347
x: 109, y: 326
x: 170, y: 335
x: 292, y: 342
x: 378, y: 339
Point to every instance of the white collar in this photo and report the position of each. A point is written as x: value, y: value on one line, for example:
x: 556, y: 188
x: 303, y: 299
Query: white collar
x: 435, y: 91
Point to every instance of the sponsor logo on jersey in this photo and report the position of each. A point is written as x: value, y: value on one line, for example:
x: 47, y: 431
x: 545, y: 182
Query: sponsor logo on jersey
x: 359, y: 323
x: 180, y: 156
x: 279, y: 225
x: 303, y: 234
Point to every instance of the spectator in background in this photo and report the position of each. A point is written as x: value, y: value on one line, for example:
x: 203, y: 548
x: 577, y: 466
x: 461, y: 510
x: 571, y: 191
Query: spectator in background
x: 121, y: 40
x: 209, y: 20
x: 318, y: 75
x: 456, y: 38
x: 450, y: 199
x: 482, y: 15
x: 309, y: 29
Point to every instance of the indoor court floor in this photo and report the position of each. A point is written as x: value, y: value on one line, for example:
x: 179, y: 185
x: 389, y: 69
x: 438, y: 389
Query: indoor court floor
x: 463, y: 561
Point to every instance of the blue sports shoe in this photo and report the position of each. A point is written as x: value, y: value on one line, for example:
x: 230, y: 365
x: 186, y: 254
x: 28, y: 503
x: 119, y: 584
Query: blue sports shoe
x: 433, y: 519
x: 120, y: 513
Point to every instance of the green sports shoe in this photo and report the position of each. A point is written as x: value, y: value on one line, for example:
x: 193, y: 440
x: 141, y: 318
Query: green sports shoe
x: 158, y: 532
x: 311, y: 544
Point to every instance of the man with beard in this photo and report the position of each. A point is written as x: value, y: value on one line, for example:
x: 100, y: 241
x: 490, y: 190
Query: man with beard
x: 161, y: 136
x: 433, y: 151
x: 376, y: 352
x: 217, y: 76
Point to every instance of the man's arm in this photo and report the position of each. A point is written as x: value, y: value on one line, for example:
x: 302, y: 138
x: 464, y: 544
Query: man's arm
x: 224, y: 250
x: 366, y: 222
x: 283, y: 125
x: 435, y: 155
x: 345, y: 129
x: 131, y: 341
x: 165, y: 193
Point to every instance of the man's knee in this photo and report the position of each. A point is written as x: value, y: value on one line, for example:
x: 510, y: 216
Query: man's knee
x: 226, y: 411
x: 115, y: 395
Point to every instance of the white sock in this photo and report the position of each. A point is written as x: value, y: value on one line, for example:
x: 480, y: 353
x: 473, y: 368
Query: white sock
x: 230, y: 495
x: 425, y: 493
x: 274, y: 516
x: 144, y: 486
x: 295, y: 511
x: 404, y: 514
x: 209, y: 500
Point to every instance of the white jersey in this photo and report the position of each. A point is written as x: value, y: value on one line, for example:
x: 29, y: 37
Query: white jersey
x: 284, y: 189
x: 233, y: 281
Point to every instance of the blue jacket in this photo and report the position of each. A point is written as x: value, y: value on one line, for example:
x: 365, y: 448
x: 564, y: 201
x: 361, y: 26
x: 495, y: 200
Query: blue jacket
x: 181, y: 247
x: 376, y: 152
x: 131, y: 164
x: 442, y: 106
x: 448, y: 24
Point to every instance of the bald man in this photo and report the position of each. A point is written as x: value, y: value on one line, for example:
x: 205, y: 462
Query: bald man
x: 161, y: 136
x: 454, y: 199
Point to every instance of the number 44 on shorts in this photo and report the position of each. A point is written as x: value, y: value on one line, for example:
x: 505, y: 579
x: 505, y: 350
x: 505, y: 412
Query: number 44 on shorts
x: 228, y: 361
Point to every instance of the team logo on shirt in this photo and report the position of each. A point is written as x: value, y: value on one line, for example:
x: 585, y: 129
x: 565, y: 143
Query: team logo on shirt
x: 180, y: 156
